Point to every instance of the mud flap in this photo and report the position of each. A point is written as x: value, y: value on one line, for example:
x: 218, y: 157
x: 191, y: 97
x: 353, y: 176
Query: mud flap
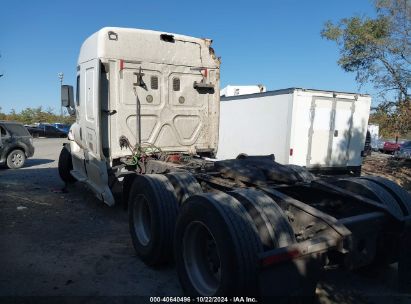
x: 296, y: 279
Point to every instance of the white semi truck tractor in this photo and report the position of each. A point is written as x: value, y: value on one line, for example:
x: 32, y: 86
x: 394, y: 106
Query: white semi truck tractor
x: 147, y: 113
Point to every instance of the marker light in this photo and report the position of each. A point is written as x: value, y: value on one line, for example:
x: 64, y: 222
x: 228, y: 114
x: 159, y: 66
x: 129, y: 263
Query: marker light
x: 204, y: 72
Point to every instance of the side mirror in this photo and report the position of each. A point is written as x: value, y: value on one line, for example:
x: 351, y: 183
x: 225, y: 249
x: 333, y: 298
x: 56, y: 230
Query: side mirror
x: 67, y: 97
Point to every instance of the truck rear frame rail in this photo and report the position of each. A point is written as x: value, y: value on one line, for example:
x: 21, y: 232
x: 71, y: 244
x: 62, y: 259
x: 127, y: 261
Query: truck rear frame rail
x: 333, y: 224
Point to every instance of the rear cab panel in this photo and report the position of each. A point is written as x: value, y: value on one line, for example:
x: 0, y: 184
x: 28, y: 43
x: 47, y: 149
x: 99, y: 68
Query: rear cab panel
x: 174, y: 115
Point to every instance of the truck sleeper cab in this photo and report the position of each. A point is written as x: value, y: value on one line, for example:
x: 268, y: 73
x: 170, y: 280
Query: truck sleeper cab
x: 144, y: 88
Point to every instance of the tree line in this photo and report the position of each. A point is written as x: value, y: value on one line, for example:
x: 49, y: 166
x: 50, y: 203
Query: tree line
x: 393, y: 120
x: 378, y: 51
x: 30, y: 116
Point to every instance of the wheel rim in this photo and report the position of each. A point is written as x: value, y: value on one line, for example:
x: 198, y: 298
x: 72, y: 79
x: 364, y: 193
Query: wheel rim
x: 17, y: 159
x: 142, y: 220
x: 202, y: 259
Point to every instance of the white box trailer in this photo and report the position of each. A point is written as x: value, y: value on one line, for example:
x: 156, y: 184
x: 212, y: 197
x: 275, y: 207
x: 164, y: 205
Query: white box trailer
x: 234, y: 90
x: 311, y: 128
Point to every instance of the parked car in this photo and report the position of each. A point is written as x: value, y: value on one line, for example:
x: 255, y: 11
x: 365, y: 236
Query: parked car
x: 405, y: 151
x: 46, y: 130
x: 16, y: 144
x: 391, y: 146
x: 380, y: 145
x: 61, y: 127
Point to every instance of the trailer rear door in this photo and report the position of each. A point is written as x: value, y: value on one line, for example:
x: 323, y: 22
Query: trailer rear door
x: 342, y: 124
x: 330, y: 131
x: 321, y: 124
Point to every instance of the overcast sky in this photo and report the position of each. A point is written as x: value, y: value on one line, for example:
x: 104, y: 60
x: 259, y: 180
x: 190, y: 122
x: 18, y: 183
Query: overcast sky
x: 275, y: 43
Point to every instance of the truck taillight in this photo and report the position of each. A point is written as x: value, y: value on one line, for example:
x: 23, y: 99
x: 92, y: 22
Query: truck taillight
x: 280, y: 257
x: 121, y: 64
x: 291, y: 152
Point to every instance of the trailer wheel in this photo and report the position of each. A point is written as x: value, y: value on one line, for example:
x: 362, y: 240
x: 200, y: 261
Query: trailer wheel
x: 302, y: 173
x: 65, y: 165
x: 372, y: 191
x: 152, y: 210
x: 400, y: 194
x: 185, y: 185
x: 216, y: 247
x: 272, y: 224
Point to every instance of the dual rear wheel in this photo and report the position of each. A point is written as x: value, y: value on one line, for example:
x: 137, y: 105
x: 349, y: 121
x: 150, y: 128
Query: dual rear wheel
x: 396, y: 201
x: 215, y: 239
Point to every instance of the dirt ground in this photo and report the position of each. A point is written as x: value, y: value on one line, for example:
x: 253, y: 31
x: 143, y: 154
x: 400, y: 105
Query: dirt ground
x: 385, y: 165
x: 69, y: 244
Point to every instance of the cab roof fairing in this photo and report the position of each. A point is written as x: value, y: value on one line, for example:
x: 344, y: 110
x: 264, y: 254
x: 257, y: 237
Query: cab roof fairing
x: 147, y: 46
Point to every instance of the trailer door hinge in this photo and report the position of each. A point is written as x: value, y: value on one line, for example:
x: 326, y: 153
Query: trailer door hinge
x: 108, y: 112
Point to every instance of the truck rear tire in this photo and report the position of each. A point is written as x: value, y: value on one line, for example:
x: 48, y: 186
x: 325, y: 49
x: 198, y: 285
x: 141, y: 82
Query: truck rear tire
x: 216, y: 247
x: 153, y: 210
x: 400, y: 194
x: 65, y: 165
x: 302, y: 173
x: 371, y: 190
x: 272, y: 224
x: 387, y: 250
x: 16, y: 159
x: 267, y: 215
x: 185, y: 185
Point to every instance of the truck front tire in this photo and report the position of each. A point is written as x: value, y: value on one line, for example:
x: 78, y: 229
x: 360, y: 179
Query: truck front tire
x: 65, y: 165
x: 153, y: 212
